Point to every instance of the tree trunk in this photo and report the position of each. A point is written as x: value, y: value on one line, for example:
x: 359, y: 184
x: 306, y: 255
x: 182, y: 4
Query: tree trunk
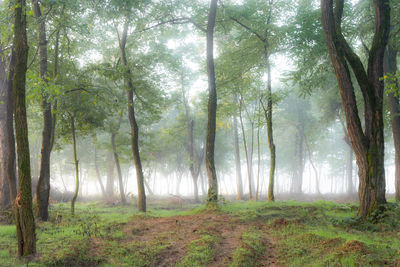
x: 212, y: 107
x: 271, y: 144
x: 10, y: 160
x: 5, y: 197
x: 103, y: 191
x: 148, y: 187
x: 349, y: 167
x: 312, y: 165
x: 368, y: 143
x: 76, y: 164
x: 116, y: 158
x: 245, y: 150
x: 390, y: 67
x: 43, y: 186
x: 239, y: 184
x: 132, y: 120
x: 258, y: 157
x: 110, y: 176
x: 190, y: 146
x: 25, y: 222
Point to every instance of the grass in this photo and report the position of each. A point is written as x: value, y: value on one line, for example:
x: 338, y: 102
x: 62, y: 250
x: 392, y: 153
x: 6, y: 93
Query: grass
x: 200, y: 251
x: 321, y: 233
x: 251, y: 249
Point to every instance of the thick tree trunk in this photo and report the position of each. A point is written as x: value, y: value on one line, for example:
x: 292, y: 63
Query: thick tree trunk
x: 239, y: 184
x: 76, y: 164
x: 43, y: 186
x: 23, y: 203
x: 368, y: 143
x: 390, y: 67
x: 134, y: 127
x: 116, y: 158
x: 212, y: 107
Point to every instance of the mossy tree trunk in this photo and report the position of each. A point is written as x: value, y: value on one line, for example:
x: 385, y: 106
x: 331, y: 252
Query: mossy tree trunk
x: 367, y: 142
x: 212, y: 197
x: 43, y: 186
x: 25, y: 222
x: 5, y: 194
x: 132, y: 120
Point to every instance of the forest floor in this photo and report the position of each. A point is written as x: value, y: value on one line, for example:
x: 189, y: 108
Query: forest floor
x: 284, y: 233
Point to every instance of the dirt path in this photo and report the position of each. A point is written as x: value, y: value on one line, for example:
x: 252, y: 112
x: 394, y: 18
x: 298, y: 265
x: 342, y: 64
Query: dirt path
x: 179, y: 231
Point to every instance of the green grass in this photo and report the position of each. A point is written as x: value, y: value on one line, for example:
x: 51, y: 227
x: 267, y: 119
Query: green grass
x: 251, y: 249
x: 200, y: 252
x: 321, y: 233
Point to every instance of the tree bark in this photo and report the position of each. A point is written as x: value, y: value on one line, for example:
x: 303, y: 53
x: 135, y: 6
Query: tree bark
x: 5, y: 197
x: 132, y: 120
x: 10, y: 159
x: 390, y: 67
x: 349, y: 167
x: 116, y: 158
x: 212, y: 107
x: 239, y: 184
x: 368, y: 143
x: 76, y: 164
x: 43, y: 186
x: 25, y: 222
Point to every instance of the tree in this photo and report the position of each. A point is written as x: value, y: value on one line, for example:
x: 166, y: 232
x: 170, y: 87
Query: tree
x: 368, y: 143
x: 7, y: 143
x: 390, y: 69
x: 212, y: 107
x: 23, y: 202
x: 132, y: 120
x: 43, y: 186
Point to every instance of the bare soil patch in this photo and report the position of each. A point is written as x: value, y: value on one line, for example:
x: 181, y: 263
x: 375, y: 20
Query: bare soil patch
x: 180, y: 231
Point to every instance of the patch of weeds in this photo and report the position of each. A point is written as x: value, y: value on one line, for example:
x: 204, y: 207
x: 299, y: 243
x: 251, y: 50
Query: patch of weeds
x: 251, y: 249
x: 78, y: 255
x: 200, y: 252
x: 89, y: 227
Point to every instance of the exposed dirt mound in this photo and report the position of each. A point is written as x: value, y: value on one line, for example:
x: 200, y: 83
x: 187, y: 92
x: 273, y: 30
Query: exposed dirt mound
x: 180, y: 231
